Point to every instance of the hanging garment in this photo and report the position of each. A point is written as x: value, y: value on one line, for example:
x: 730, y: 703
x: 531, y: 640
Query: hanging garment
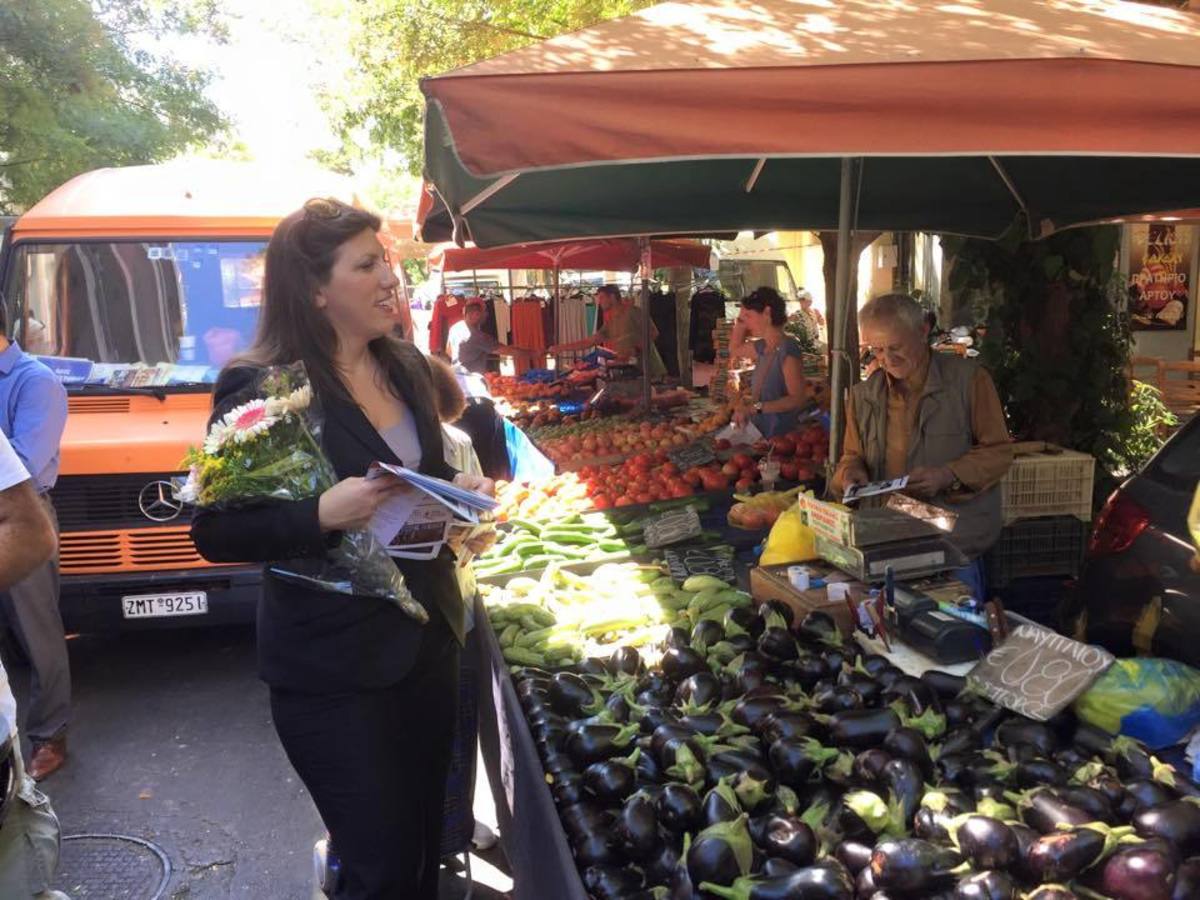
x: 488, y: 325
x: 708, y: 305
x: 662, y: 314
x: 501, y: 311
x: 572, y: 319
x: 447, y: 309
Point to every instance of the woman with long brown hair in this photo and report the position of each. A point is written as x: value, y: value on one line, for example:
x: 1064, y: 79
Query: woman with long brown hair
x: 362, y: 696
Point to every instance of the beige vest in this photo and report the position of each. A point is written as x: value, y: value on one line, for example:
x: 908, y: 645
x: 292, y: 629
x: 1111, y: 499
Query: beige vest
x: 943, y: 434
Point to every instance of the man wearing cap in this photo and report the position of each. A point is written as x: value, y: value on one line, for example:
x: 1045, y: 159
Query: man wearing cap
x: 470, y: 346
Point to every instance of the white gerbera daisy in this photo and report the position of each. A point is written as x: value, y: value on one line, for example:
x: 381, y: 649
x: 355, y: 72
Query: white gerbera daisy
x: 216, y: 438
x: 248, y: 421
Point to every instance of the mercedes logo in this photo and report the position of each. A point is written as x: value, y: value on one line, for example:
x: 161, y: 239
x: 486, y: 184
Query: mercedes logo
x: 157, y: 502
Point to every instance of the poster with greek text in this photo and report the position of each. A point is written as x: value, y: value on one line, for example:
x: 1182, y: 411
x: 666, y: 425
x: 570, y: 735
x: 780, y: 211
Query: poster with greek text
x: 1160, y: 274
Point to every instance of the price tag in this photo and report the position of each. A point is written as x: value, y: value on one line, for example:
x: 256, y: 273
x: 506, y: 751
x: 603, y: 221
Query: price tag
x: 1037, y: 672
x: 691, y: 455
x: 673, y: 527
x: 716, y: 561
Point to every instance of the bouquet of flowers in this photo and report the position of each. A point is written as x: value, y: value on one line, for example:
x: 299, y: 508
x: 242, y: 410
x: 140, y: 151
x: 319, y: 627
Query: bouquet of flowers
x: 268, y: 448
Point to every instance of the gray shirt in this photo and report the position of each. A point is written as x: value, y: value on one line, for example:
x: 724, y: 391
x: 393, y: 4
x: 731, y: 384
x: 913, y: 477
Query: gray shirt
x: 470, y: 346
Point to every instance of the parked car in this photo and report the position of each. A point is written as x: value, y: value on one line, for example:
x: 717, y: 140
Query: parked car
x: 1140, y: 589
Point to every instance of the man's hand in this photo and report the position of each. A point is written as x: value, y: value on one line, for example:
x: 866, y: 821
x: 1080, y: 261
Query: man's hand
x: 929, y: 481
x: 855, y: 473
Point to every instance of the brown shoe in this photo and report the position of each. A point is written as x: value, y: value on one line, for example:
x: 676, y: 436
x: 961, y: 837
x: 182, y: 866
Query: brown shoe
x: 48, y: 757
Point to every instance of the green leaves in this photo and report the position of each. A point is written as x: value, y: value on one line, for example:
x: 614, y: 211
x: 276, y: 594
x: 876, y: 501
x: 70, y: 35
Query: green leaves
x: 80, y: 91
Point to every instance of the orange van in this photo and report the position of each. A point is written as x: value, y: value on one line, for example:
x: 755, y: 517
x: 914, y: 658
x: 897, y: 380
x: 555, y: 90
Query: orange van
x: 137, y: 285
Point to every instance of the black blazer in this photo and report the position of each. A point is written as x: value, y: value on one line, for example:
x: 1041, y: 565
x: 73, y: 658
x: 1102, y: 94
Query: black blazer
x: 311, y: 640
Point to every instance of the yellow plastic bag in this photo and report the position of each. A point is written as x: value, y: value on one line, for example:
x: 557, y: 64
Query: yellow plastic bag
x: 790, y: 540
x: 1194, y: 521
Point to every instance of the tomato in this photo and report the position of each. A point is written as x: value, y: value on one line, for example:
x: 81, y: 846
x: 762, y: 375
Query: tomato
x: 692, y: 477
x: 731, y: 469
x: 625, y: 500
x: 722, y: 444
x: 788, y: 471
x: 680, y: 489
x: 669, y: 468
x: 743, y: 485
x: 804, y: 451
x: 783, y: 445
x: 645, y: 497
x: 742, y: 460
x: 601, y: 501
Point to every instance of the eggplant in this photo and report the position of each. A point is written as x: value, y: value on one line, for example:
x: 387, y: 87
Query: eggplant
x: 1023, y: 731
x: 611, y: 781
x: 677, y: 638
x: 706, y: 633
x: 619, y: 708
x: 905, y: 786
x: 1037, y: 772
x: 889, y: 676
x: 637, y: 827
x: 679, y: 663
x: 1138, y: 872
x: 987, y: 886
x: 837, y: 699
x: 855, y: 856
x: 745, y: 618
x: 567, y: 789
x: 751, y: 673
x: 733, y: 763
x: 1062, y: 856
x: 787, y: 725
x: 1091, y: 801
x: 988, y: 843
x: 596, y: 848
x: 699, y: 690
x: 793, y: 760
x: 680, y: 809
x: 868, y: 765
x: 931, y: 825
x: 776, y: 866
x: 753, y: 711
x: 909, y: 865
x: 864, y: 883
x: 908, y: 743
x: 778, y: 644
x: 835, y: 661
x: 1187, y: 880
x: 827, y: 881
x: 946, y: 686
x: 1044, y: 811
x: 721, y: 853
x: 862, y: 728
x: 791, y: 839
x: 779, y: 608
x: 961, y: 740
x: 593, y: 743
x: 582, y: 817
x: 866, y: 686
x: 654, y: 716
x: 1142, y: 794
x: 1051, y: 892
x: 612, y: 882
x: 649, y: 773
x: 594, y: 667
x: 626, y: 660
x: 662, y: 864
x: 919, y: 696
x: 1177, y: 821
x: 956, y: 713
x: 721, y: 804
x: 557, y: 762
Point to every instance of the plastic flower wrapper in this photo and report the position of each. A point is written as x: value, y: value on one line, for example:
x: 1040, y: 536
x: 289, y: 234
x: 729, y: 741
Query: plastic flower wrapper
x: 268, y: 448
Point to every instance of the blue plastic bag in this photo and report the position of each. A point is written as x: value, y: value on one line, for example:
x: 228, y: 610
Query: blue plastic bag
x: 526, y: 461
x: 1156, y: 701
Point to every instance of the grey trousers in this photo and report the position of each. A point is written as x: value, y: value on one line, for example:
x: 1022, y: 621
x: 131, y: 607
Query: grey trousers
x: 29, y: 843
x: 31, y: 609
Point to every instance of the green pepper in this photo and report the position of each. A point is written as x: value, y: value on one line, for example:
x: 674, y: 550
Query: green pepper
x: 563, y: 536
x: 509, y: 564
x: 531, y: 548
x: 526, y: 525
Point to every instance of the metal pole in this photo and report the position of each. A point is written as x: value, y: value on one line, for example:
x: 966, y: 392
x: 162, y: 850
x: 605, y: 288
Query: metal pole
x: 840, y: 361
x: 647, y: 343
x: 555, y: 299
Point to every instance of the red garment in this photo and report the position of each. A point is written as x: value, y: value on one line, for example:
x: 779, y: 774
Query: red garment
x: 528, y: 328
x: 447, y: 309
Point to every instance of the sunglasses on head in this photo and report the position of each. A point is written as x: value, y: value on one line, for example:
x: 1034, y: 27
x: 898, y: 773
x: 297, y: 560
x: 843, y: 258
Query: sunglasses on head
x: 322, y: 208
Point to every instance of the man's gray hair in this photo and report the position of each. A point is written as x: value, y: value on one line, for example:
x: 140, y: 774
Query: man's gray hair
x: 899, y: 308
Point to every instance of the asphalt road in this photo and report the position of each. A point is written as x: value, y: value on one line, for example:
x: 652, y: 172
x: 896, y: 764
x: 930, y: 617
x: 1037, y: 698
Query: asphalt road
x: 171, y: 742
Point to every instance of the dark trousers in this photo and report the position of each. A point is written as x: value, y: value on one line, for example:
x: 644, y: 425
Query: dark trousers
x: 31, y: 608
x: 375, y: 763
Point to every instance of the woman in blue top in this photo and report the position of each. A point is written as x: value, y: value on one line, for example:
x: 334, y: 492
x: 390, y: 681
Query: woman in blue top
x: 778, y: 390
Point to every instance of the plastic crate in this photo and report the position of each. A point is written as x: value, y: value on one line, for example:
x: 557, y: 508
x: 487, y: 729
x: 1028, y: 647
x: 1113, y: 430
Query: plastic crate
x: 1035, y: 548
x: 1046, y: 480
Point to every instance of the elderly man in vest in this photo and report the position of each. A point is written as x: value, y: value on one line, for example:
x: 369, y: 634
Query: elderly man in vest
x: 933, y: 417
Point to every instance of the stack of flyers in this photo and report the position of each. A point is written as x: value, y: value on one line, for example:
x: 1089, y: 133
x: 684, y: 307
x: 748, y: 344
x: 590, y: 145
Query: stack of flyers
x: 415, y: 522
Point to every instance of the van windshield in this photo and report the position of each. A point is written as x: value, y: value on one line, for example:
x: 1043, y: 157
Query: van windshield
x: 145, y: 313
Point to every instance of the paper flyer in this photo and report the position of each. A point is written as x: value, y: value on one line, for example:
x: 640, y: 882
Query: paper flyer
x: 874, y: 489
x: 416, y: 521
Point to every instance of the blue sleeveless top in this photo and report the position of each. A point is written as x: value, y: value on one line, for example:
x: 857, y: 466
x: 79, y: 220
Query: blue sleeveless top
x: 769, y: 384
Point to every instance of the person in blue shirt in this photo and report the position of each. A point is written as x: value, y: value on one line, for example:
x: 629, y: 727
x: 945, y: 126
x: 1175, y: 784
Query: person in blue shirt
x: 778, y: 388
x: 33, y: 413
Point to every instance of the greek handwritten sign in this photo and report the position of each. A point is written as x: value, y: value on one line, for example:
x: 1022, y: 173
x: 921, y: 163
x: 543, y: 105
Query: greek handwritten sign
x: 691, y: 455
x: 1037, y: 673
x: 716, y: 561
x: 673, y: 527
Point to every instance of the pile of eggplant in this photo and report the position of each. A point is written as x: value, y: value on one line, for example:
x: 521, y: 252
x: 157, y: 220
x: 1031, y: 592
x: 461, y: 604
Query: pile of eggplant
x: 798, y: 769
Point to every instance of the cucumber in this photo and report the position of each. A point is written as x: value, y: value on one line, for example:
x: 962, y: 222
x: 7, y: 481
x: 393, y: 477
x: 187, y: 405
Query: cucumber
x: 523, y: 657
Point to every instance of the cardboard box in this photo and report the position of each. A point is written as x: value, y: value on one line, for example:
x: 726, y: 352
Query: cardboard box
x: 771, y: 583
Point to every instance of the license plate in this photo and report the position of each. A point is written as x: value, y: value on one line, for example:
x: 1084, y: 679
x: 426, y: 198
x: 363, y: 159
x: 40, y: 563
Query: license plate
x: 153, y: 606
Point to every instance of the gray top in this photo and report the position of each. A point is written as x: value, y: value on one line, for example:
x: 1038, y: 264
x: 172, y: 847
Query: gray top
x: 768, y: 383
x: 404, y: 441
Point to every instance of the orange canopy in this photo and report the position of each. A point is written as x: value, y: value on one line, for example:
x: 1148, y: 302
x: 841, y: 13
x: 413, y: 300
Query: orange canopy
x: 773, y: 78
x: 614, y: 254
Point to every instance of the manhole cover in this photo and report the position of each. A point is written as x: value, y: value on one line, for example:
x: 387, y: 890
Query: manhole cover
x: 112, y: 867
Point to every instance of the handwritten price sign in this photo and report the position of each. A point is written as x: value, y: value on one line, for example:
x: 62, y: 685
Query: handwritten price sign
x: 1037, y: 673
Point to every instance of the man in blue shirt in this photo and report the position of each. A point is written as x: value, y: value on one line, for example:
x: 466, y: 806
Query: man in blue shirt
x: 33, y: 413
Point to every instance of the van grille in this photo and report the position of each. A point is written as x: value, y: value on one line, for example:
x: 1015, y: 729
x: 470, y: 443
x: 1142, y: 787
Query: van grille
x: 94, y: 502
x: 99, y: 404
x: 143, y: 549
